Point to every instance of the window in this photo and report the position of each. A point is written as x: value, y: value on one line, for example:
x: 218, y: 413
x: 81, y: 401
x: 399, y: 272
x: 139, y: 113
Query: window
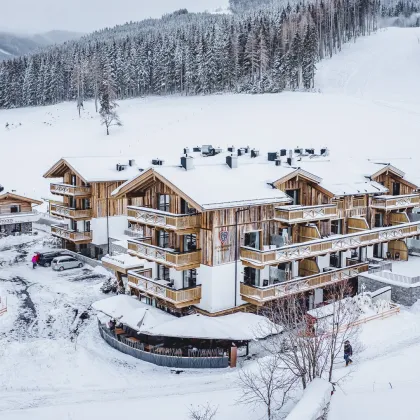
x: 17, y: 228
x: 335, y: 260
x: 164, y: 202
x: 337, y: 226
x: 251, y: 276
x: 87, y: 226
x: 73, y: 225
x: 294, y: 194
x: 163, y: 239
x: 72, y: 202
x: 73, y: 180
x: 252, y: 239
x: 85, y: 204
x: 396, y: 188
x: 190, y: 242
x: 162, y: 272
x: 15, y: 209
x: 190, y: 278
x: 378, y: 220
x: 185, y: 208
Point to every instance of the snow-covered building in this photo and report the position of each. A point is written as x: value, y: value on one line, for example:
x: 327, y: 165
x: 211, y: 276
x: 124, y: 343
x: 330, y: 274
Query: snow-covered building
x: 228, y: 231
x: 89, y: 215
x: 17, y: 213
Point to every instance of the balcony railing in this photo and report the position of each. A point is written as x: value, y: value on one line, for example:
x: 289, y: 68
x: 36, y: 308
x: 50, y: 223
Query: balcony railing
x: 261, y: 295
x: 70, y: 213
x: 152, y: 217
x: 72, y: 190
x: 298, y: 214
x: 142, y: 281
x: 178, y: 260
x: 62, y: 231
x: 390, y: 202
x: 298, y: 251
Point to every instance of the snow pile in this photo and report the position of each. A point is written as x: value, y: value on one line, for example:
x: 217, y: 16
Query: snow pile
x: 314, y: 401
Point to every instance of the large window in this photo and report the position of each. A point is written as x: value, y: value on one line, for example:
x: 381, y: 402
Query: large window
x: 14, y: 209
x: 72, y: 202
x: 163, y: 272
x: 73, y: 180
x: 185, y: 208
x: 17, y: 228
x: 251, y: 276
x: 164, y: 202
x: 87, y: 226
x: 190, y: 278
x: 252, y: 239
x: 294, y: 194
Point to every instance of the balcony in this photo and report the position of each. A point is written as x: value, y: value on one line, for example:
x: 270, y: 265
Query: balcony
x: 392, y: 202
x: 179, y: 260
x: 260, y: 258
x: 142, y: 281
x: 301, y: 214
x: 70, y: 190
x: 62, y: 231
x: 166, y: 220
x: 70, y: 213
x: 260, y: 295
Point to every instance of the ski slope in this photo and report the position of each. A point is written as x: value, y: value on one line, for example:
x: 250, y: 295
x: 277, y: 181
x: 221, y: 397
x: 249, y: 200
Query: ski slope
x: 365, y: 105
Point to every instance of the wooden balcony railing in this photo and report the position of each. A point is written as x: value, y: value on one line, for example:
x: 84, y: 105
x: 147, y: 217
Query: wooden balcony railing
x: 62, y: 231
x: 152, y: 217
x: 308, y: 249
x: 67, y: 212
x: 178, y: 260
x: 261, y: 295
x: 141, y: 280
x: 72, y: 190
x: 389, y: 202
x: 298, y: 214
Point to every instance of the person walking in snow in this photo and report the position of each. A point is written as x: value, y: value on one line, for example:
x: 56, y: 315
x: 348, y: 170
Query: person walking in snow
x: 348, y: 351
x: 34, y: 261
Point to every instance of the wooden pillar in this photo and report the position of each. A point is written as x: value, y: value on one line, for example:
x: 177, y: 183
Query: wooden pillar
x: 233, y: 356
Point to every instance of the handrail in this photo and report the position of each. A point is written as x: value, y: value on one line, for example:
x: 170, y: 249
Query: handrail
x: 160, y: 212
x: 167, y: 250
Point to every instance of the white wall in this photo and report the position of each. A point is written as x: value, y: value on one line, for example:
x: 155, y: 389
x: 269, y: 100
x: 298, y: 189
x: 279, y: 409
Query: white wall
x: 369, y: 253
x: 323, y: 261
x: 344, y: 256
x: 117, y: 225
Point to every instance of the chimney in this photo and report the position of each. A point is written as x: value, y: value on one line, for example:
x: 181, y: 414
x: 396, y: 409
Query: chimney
x: 119, y: 167
x: 131, y: 162
x: 231, y: 148
x: 291, y: 159
x: 187, y: 162
x: 272, y: 156
x: 255, y: 153
x: 232, y: 161
x: 240, y: 152
x: 278, y: 162
x: 186, y: 150
x: 158, y: 162
x: 283, y: 152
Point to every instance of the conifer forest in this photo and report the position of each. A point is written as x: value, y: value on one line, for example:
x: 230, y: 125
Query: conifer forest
x: 261, y: 50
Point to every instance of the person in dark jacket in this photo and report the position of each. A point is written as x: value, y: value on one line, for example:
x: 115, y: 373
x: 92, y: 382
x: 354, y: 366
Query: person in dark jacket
x: 348, y: 351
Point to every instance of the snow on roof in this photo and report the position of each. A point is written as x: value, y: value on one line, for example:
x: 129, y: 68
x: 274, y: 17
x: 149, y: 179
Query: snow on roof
x: 104, y: 168
x: 143, y: 319
x: 125, y: 261
x: 118, y: 306
x: 216, y: 185
x: 229, y: 327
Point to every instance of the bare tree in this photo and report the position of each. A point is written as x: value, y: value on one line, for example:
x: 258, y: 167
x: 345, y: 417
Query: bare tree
x: 109, y: 119
x: 269, y: 385
x: 203, y: 412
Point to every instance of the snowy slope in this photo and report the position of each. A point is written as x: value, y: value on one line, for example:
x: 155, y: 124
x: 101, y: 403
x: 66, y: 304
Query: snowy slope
x: 365, y: 102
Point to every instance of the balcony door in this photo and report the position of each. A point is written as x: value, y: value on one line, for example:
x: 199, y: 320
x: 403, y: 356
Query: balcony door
x: 73, y: 225
x: 162, y: 238
x: 294, y: 194
x: 185, y: 207
x: 86, y: 226
x: 251, y: 276
x: 164, y: 202
x: 163, y: 272
x: 396, y: 188
x: 72, y: 202
x: 190, y: 242
x: 379, y: 220
x: 73, y: 180
x: 190, y: 278
x: 85, y: 204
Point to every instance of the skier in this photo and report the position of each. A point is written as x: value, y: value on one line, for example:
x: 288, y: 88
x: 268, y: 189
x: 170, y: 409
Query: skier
x: 34, y: 261
x: 348, y: 351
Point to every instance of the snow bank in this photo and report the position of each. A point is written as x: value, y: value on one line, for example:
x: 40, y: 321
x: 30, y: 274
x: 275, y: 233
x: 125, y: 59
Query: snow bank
x: 315, y: 399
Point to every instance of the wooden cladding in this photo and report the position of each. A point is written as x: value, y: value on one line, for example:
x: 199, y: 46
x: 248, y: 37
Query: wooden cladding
x: 69, y: 213
x: 178, y: 260
x: 340, y: 243
x: 142, y: 281
x: 261, y: 295
x: 166, y: 220
x: 308, y: 233
x: 398, y: 250
x: 71, y: 190
x: 305, y: 214
x: 394, y: 203
x: 65, y: 233
x: 398, y: 218
x: 356, y: 224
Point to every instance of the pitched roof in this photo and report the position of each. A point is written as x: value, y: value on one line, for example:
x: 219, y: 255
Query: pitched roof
x: 14, y: 196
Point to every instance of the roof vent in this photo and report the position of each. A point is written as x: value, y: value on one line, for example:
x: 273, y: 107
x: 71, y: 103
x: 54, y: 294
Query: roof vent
x: 186, y: 150
x: 208, y: 150
x: 325, y: 151
x: 131, y: 162
x: 247, y: 149
x: 283, y: 152
x: 310, y: 151
x: 255, y: 153
x: 158, y: 162
x: 120, y: 167
x: 272, y: 156
x: 197, y: 149
x: 231, y: 149
x: 232, y: 161
x: 187, y: 162
x: 278, y: 162
x: 1, y: 188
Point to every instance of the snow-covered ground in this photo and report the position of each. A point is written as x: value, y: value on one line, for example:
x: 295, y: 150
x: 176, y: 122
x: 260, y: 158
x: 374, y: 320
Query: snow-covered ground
x: 365, y: 104
x: 53, y: 363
